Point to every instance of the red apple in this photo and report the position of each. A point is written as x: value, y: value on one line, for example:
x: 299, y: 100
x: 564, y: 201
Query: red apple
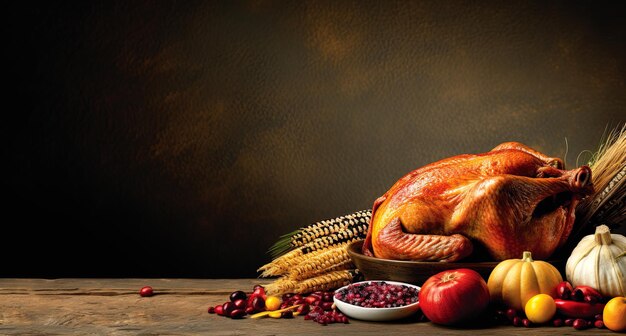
x: 454, y: 296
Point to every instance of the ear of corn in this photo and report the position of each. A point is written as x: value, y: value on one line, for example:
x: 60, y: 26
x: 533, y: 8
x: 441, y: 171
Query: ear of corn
x: 356, y: 223
x: 315, y: 257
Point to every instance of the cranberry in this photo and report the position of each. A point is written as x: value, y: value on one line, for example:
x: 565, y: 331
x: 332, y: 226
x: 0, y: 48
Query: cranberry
x: 580, y: 324
x: 376, y: 294
x: 287, y: 314
x: 146, y: 291
x: 238, y: 295
x: 258, y: 303
x: 326, y: 305
x: 259, y: 291
x: 511, y: 313
x: 526, y: 322
x: 237, y: 313
x: 517, y: 321
x: 249, y: 310
x: 569, y: 322
x: 286, y: 296
x: 558, y: 323
x: 598, y: 324
x: 219, y: 310
x: 304, y: 309
x: 240, y: 304
x: 228, y: 308
x: 211, y: 310
x: 598, y: 317
x: 328, y: 297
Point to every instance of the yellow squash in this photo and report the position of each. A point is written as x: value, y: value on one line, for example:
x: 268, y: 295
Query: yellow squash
x: 514, y: 281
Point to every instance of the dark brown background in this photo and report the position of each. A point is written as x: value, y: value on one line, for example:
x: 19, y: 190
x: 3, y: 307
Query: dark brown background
x: 182, y: 138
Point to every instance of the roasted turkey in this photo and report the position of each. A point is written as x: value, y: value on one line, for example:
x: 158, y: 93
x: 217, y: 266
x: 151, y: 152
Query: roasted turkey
x: 509, y: 200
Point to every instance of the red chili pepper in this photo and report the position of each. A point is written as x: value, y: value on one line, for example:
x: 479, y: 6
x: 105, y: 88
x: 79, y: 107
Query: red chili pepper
x: 564, y: 290
x: 577, y: 309
x: 581, y: 292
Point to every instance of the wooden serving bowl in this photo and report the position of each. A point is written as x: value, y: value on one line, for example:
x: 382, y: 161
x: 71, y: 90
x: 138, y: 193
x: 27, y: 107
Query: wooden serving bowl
x: 413, y: 272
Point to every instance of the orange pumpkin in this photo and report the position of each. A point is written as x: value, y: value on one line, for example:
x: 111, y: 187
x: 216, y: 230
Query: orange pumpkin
x: 514, y: 281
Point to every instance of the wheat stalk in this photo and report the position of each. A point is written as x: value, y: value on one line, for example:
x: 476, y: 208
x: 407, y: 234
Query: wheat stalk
x: 606, y: 205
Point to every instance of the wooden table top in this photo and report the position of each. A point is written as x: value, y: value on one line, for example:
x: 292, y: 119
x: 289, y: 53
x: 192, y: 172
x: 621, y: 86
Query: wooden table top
x: 113, y: 307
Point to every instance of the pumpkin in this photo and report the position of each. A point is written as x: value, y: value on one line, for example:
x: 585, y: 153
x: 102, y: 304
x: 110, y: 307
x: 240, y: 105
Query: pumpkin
x: 599, y: 261
x: 514, y: 281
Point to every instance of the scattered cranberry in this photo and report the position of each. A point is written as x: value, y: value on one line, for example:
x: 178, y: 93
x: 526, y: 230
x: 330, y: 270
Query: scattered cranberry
x: 287, y: 314
x: 238, y: 295
x: 517, y: 321
x: 569, y: 322
x: 598, y: 317
x: 326, y: 317
x: 558, y: 323
x: 580, y: 324
x: 526, y: 322
x: 511, y: 314
x: 326, y: 306
x: 303, y: 309
x: 258, y: 303
x: 240, y: 304
x: 249, y: 310
x: 228, y: 307
x: 598, y: 324
x: 237, y: 313
x: 146, y: 291
x: 219, y: 310
x: 211, y: 310
x: 311, y: 299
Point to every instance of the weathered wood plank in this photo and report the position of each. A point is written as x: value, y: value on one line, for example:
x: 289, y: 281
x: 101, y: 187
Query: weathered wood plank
x: 113, y: 307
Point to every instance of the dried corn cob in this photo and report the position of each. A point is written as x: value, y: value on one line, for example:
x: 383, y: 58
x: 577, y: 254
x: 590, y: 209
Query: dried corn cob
x: 332, y: 259
x: 332, y: 240
x: 356, y: 223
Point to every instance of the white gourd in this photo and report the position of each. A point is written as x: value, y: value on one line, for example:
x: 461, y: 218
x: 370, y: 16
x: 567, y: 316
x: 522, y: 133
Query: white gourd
x: 599, y: 261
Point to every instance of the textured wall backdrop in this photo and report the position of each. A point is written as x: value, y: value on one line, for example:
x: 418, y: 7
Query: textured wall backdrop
x: 182, y: 138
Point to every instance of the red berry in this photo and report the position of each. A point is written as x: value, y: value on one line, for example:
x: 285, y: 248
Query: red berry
x: 228, y: 308
x: 240, y: 304
x: 211, y: 310
x: 511, y: 313
x: 219, y: 310
x: 237, y: 313
x: 146, y: 291
x: 598, y: 324
x: 557, y: 323
x: 237, y: 295
x: 580, y: 324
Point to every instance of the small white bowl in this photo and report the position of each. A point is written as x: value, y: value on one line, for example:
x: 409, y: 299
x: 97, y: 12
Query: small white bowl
x: 377, y: 314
